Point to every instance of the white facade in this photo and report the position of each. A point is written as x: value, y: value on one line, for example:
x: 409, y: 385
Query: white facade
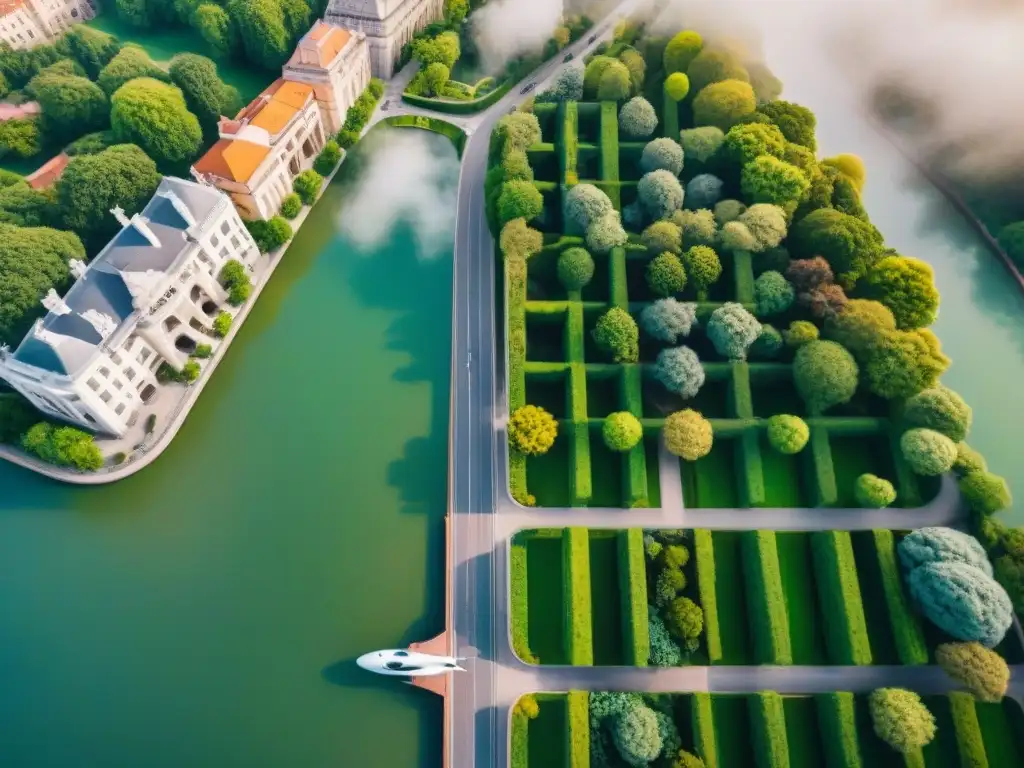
x: 27, y: 23
x: 387, y: 24
x: 149, y: 297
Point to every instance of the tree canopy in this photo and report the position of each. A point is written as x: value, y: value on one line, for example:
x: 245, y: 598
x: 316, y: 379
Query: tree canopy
x: 154, y: 115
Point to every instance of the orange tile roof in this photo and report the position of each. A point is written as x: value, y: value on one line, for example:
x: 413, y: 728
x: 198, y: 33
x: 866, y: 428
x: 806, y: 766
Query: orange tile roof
x: 293, y: 94
x: 49, y: 172
x: 329, y: 41
x: 10, y: 6
x: 273, y: 108
x: 232, y: 159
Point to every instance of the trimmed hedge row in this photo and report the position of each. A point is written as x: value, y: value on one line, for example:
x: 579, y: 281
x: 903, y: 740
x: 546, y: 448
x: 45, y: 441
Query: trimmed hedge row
x: 636, y: 633
x: 519, y: 746
x: 837, y: 718
x: 705, y: 741
x: 635, y: 490
x: 670, y: 108
x: 743, y: 276
x: 459, y: 107
x: 767, y: 602
x: 519, y: 611
x: 579, y: 641
x: 826, y: 492
x: 453, y: 132
x: 751, y: 470
x: 768, y: 730
x: 581, y: 483
x: 906, y: 627
x: 846, y: 628
x: 578, y: 717
x: 704, y: 555
x: 515, y: 300
x: 970, y: 743
x: 610, y: 151
x: 569, y: 144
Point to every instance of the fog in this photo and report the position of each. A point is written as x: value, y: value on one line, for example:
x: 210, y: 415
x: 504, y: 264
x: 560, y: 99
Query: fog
x: 405, y: 181
x: 503, y: 29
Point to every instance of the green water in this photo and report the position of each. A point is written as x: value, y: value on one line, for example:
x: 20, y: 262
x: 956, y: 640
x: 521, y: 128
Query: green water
x: 207, y: 611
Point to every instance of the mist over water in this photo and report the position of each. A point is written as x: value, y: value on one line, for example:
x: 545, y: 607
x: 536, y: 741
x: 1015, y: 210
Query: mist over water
x: 403, y: 182
x: 503, y: 29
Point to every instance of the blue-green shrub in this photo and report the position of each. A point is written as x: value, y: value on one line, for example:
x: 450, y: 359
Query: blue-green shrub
x: 732, y: 329
x: 942, y: 545
x: 703, y: 191
x: 665, y: 652
x: 680, y: 371
x: 668, y: 320
x: 962, y: 601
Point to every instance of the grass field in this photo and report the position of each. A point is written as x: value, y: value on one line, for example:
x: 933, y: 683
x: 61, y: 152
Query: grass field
x: 544, y: 590
x: 784, y: 483
x: 606, y: 598
x: 549, y: 475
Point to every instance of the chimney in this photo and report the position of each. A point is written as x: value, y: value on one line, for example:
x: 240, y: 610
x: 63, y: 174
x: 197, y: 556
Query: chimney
x: 54, y: 303
x: 142, y: 227
x: 77, y: 268
x: 119, y: 214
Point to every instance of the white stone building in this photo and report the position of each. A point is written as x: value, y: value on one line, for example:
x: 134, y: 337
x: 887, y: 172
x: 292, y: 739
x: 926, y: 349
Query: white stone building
x: 387, y: 24
x: 336, y: 62
x: 264, y: 148
x: 149, y: 297
x: 27, y: 23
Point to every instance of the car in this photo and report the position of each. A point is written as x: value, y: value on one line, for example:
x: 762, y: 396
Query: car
x: 592, y: 38
x: 528, y: 88
x: 568, y: 57
x: 385, y: 105
x: 400, y: 663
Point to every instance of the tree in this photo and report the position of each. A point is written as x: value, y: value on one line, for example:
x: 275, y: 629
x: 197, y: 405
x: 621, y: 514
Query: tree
x: 668, y: 320
x: 681, y: 51
x: 685, y: 759
x: 19, y: 137
x: 586, y: 204
x: 89, y: 47
x: 622, y: 431
x: 131, y: 62
x: 153, y: 115
x: 873, y: 492
x: 703, y: 269
x: 660, y: 193
x: 532, y: 430
x: 63, y: 446
x: 664, y: 651
x: 981, y: 671
x: 617, y: 334
x: 904, y: 363
x: 260, y: 26
x: 575, y: 268
x: 728, y: 210
x: 677, y: 86
x: 594, y: 71
x: 685, y: 620
x: 138, y: 13
x: 307, y: 186
x: 16, y: 416
x: 849, y: 245
x: 809, y: 274
x: 748, y: 141
x: 907, y: 287
x: 215, y: 27
x: 860, y: 326
x: 435, y: 77
x: 732, y: 329
x: 520, y: 130
x: 71, y: 106
x: 800, y: 332
x: 615, y: 84
x: 825, y: 375
x: 927, y: 452
x: 688, y: 435
x: 1011, y: 239
x: 443, y: 49
x: 936, y: 544
x: 32, y: 261
x: 636, y: 736
x: 296, y: 15
x: 773, y: 294
x: 92, y: 185
x: 723, y: 104
x: 662, y: 236
x: 679, y: 371
x: 768, y: 344
x: 702, y: 143
x: 901, y: 719
x: 291, y: 205
x: 788, y: 434
x: 206, y: 95
x: 766, y: 224
x: 456, y: 11
x: 637, y: 118
x: 968, y: 460
x: 985, y: 493
x: 90, y: 144
x: 328, y: 158
x: 962, y: 601
x: 662, y: 154
x: 941, y: 409
x: 235, y: 279
x: 766, y: 85
x: 715, y: 66
x: 567, y: 86
x: 850, y: 166
x: 24, y: 206
x: 796, y: 122
x: 637, y: 69
x: 518, y: 240
x: 770, y: 180
x: 606, y: 233
x: 698, y: 227
x: 703, y: 191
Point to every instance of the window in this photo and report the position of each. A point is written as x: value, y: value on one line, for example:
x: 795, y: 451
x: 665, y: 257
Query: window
x: 144, y: 355
x: 105, y: 397
x: 89, y: 418
x: 129, y: 344
x: 115, y: 359
x: 224, y: 252
x: 225, y: 227
x: 214, y: 240
x: 130, y: 374
x: 105, y: 372
x: 93, y: 385
x: 156, y: 361
x: 234, y: 242
x: 120, y: 409
x: 117, y: 384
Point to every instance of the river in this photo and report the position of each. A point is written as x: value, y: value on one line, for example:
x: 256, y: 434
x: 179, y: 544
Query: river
x: 207, y: 611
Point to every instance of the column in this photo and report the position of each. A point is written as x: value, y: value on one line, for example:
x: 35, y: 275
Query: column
x: 156, y: 338
x: 213, y: 289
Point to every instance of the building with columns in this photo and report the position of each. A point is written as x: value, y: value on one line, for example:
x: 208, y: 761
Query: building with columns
x: 149, y: 297
x: 261, y: 151
x: 387, y: 24
x: 27, y: 23
x: 336, y: 62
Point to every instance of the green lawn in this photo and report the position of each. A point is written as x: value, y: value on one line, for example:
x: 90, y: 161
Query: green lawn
x: 602, y: 395
x: 732, y: 611
x: 784, y: 485
x: 942, y: 751
x: 547, y: 476
x: 544, y: 589
x: 1002, y: 727
x: 606, y: 471
x: 883, y: 646
x: 732, y: 728
x: 549, y: 733
x: 605, y: 599
x: 711, y: 482
x: 802, y: 732
x: 798, y: 584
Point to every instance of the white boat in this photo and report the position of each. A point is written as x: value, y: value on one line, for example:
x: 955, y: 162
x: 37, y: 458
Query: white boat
x: 401, y: 663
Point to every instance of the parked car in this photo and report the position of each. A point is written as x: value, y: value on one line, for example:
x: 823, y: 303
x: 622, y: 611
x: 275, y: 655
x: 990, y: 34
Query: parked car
x: 384, y: 106
x: 568, y: 57
x: 592, y: 38
x: 528, y: 88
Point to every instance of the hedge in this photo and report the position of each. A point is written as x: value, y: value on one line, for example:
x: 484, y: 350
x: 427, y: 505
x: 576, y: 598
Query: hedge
x: 570, y: 143
x: 741, y: 404
x: 704, y: 555
x: 635, y: 489
x: 751, y: 471
x: 581, y: 488
x: 670, y: 119
x: 578, y: 706
x: 579, y: 641
x: 705, y: 741
x: 610, y: 147
x: 826, y: 493
x: 519, y: 749
x: 768, y: 730
x: 743, y: 276
x: 633, y: 591
x: 906, y: 627
x: 520, y: 618
x: 837, y: 719
x: 969, y: 741
x: 765, y: 598
x: 459, y: 107
x: 907, y: 489
x: 846, y: 628
x: 453, y: 132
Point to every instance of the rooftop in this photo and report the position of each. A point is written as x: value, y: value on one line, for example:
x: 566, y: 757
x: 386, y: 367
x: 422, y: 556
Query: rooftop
x: 10, y: 6
x: 320, y: 45
x: 129, y: 267
x: 232, y: 159
x: 276, y: 106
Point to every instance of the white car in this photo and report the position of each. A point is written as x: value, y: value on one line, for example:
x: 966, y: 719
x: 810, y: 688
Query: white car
x: 408, y: 663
